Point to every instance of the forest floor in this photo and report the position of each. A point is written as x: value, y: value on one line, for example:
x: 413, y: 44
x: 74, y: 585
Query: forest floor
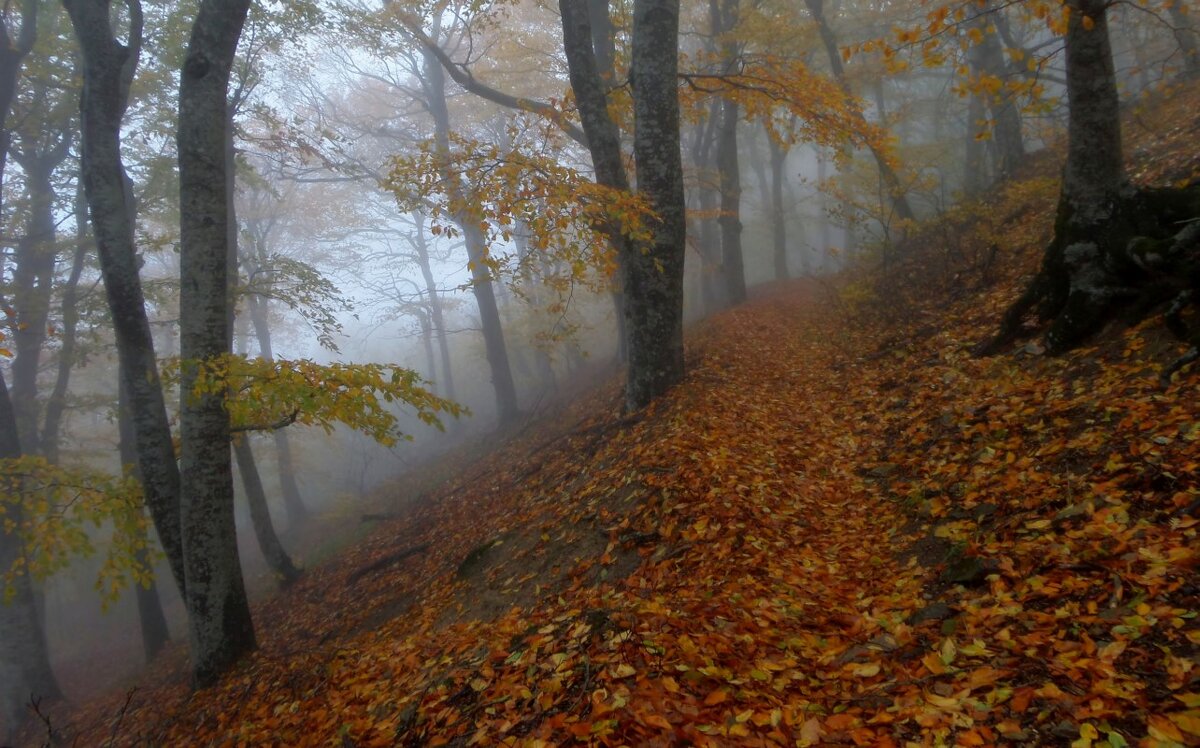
x: 842, y: 529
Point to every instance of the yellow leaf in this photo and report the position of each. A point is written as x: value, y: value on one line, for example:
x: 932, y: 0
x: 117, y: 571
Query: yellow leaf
x: 867, y: 670
x: 1161, y: 728
x: 623, y: 671
x: 1188, y: 721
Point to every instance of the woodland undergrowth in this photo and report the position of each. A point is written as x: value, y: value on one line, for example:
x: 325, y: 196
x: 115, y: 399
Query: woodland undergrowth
x: 842, y: 529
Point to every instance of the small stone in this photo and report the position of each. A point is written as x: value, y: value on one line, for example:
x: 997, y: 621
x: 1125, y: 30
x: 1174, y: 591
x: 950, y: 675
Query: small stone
x: 938, y: 611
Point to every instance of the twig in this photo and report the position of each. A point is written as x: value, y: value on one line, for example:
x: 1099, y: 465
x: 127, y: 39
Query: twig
x: 116, y: 728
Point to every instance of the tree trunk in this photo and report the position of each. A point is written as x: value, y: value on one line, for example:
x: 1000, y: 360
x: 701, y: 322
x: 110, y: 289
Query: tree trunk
x: 1113, y: 246
x: 260, y: 515
x: 723, y: 16
x: 24, y: 664
x: 1186, y: 37
x: 220, y: 627
x: 481, y: 280
x: 891, y: 180
x: 778, y: 225
x: 987, y: 58
x: 654, y: 279
x: 33, y: 278
x: 708, y: 239
x: 56, y: 403
x: 975, y: 171
x: 436, y: 312
x: 297, y: 512
x: 731, y: 204
x: 155, y: 633
x: 108, y: 68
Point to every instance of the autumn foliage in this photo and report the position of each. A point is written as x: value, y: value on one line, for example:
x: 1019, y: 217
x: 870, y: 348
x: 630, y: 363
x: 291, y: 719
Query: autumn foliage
x: 842, y: 529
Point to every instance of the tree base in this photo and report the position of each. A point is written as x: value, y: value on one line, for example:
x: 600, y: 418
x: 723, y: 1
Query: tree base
x: 1144, y: 254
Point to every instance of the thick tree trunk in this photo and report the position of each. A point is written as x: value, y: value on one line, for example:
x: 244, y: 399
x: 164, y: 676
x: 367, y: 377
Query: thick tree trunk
x: 220, y: 627
x: 1113, y: 247
x: 260, y: 515
x: 654, y: 279
x: 155, y: 634
x: 108, y: 68
x: 481, y: 280
x: 24, y: 664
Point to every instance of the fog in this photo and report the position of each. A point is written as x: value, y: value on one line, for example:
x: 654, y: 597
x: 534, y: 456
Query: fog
x: 355, y: 242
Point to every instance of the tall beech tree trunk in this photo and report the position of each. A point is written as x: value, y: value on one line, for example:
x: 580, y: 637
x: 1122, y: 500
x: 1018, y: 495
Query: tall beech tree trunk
x: 604, y: 46
x: 24, y: 664
x: 260, y: 515
x: 481, y: 279
x: 723, y: 16
x: 731, y: 204
x: 108, y: 68
x: 1114, y: 247
x: 219, y: 623
x: 654, y: 279
x: 155, y: 633
x: 652, y: 276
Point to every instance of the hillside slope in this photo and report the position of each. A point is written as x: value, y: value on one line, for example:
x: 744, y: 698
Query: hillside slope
x: 842, y: 529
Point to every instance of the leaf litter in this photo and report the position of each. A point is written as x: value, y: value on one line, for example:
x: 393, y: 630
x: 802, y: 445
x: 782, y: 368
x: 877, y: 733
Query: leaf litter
x: 842, y: 529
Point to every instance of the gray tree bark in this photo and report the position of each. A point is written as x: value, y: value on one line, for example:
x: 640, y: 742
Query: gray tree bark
x: 987, y: 58
x: 653, y: 292
x: 436, y: 311
x: 974, y: 168
x: 258, y: 307
x: 260, y: 515
x: 723, y: 15
x: 153, y: 621
x: 654, y: 279
x: 56, y: 403
x: 481, y: 280
x: 24, y: 664
x: 33, y: 279
x: 108, y: 68
x: 219, y: 624
x: 1114, y: 247
x: 778, y: 225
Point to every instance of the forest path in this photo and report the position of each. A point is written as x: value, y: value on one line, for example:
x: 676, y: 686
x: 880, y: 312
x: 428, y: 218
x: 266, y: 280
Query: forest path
x: 839, y: 530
